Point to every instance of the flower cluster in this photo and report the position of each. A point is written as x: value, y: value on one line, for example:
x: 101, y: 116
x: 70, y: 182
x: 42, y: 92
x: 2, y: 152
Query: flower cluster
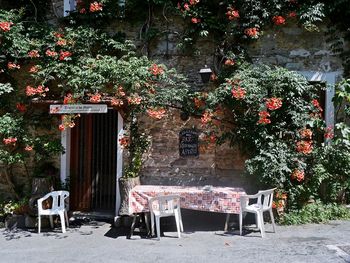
x: 124, y: 141
x: 232, y: 14
x: 33, y: 54
x: 5, y: 26
x: 40, y: 90
x: 9, y: 140
x: 11, y: 65
x: 95, y: 98
x: 329, y: 133
x: 306, y: 134
x: 64, y: 55
x: 278, y: 20
x: 67, y: 121
x: 51, y: 53
x: 95, y: 7
x: 252, y: 32
x: 298, y: 175
x: 134, y: 100
x: 207, y: 117
x: 273, y: 103
x: 264, y: 117
x: 238, y: 93
x: 304, y: 147
x: 34, y: 69
x: 156, y: 113
x: 117, y: 102
x: 229, y: 62
x: 156, y: 70
x: 21, y: 107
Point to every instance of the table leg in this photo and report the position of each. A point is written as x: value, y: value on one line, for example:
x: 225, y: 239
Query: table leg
x: 147, y: 224
x: 132, y: 228
x: 227, y: 221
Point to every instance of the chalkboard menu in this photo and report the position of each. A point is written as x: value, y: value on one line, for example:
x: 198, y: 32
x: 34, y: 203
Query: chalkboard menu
x: 188, y: 142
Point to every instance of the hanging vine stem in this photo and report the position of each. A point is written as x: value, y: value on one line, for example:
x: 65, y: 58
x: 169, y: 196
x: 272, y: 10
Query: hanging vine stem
x: 35, y: 11
x: 145, y: 28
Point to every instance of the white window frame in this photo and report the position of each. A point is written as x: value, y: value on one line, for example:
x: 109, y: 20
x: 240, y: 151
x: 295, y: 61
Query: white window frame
x: 68, y: 6
x: 330, y: 78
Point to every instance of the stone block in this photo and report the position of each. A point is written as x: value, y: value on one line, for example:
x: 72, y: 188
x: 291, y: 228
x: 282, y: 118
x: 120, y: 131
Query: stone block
x: 299, y: 53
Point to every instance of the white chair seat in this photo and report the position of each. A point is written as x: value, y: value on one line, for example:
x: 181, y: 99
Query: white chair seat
x: 263, y: 203
x: 57, y: 208
x: 164, y: 206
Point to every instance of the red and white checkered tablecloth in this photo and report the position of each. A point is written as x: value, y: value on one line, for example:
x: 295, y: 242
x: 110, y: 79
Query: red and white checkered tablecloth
x: 218, y: 199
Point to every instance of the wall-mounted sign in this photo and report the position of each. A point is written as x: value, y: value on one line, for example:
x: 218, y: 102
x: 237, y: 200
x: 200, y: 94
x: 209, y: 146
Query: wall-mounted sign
x: 77, y: 108
x: 188, y: 142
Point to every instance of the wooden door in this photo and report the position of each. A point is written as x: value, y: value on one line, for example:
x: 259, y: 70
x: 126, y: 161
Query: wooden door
x: 93, y: 162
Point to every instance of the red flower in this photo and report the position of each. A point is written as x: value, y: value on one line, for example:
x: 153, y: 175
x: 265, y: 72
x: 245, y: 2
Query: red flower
x: 11, y: 65
x: 264, y: 117
x: 317, y: 105
x: 64, y: 55
x: 58, y: 35
x: 40, y: 90
x: 251, y: 32
x: 10, y: 140
x: 278, y: 20
x: 50, y: 53
x: 229, y: 62
x: 82, y: 11
x: 207, y: 117
x: 186, y: 6
x: 329, y: 133
x: 298, y: 175
x: 194, y: 2
x: 121, y: 91
x: 33, y: 54
x: 5, y: 26
x: 61, y: 42
x: 156, y: 113
x: 124, y: 141
x: 232, y: 14
x: 134, y: 100
x: 238, y: 93
x: 292, y: 14
x: 28, y: 148
x: 156, y: 70
x: 304, y: 147
x: 34, y: 69
x: 21, y: 107
x: 95, y: 98
x: 274, y: 206
x: 68, y: 98
x: 61, y: 127
x: 273, y: 103
x: 213, y: 77
x: 95, y: 7
x: 306, y: 134
x: 116, y: 102
x: 195, y: 20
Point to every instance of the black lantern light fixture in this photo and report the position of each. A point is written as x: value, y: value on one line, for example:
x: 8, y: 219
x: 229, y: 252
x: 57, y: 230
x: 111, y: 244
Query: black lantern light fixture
x: 205, y: 74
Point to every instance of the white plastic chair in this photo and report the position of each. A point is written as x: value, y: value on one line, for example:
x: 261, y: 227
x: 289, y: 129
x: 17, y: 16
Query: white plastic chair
x: 164, y: 206
x: 263, y: 203
x: 57, y: 208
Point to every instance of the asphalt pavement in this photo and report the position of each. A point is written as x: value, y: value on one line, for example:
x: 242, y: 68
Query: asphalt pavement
x: 94, y: 241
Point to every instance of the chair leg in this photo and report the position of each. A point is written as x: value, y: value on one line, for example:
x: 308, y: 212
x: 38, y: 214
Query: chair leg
x: 240, y: 222
x: 261, y: 223
x: 180, y: 217
x: 226, y: 222
x: 177, y: 220
x: 257, y: 221
x: 152, y: 224
x: 66, y: 216
x: 39, y: 224
x: 63, y: 224
x: 273, y: 221
x: 158, y: 226
x: 51, y: 221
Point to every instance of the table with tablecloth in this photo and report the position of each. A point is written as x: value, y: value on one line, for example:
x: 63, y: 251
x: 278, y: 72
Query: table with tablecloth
x: 209, y: 198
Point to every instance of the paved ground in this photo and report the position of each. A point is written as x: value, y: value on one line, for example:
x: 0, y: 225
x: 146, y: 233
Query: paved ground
x: 99, y: 242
